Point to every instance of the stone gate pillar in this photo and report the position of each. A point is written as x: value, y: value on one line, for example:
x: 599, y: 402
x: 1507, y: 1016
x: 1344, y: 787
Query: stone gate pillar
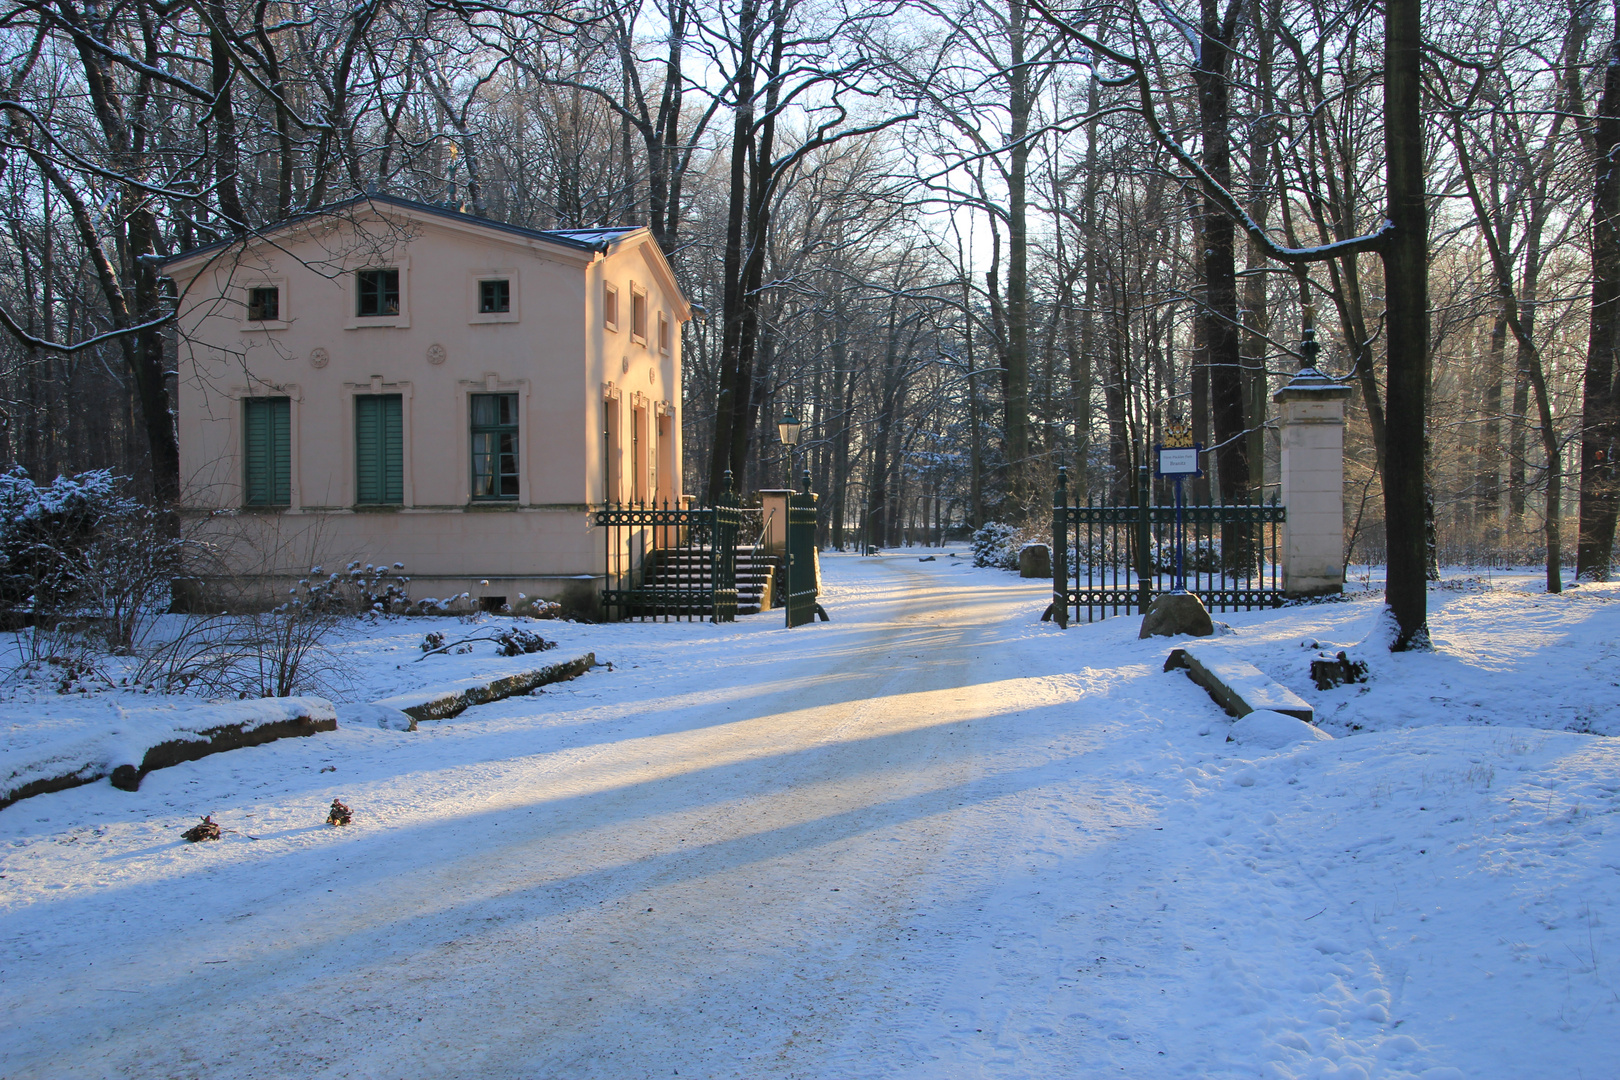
x: 1312, y: 428
x: 773, y: 503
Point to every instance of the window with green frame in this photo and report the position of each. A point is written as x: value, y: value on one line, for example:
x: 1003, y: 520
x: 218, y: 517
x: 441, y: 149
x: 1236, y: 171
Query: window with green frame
x: 266, y: 451
x: 379, y: 449
x: 377, y: 292
x: 494, y: 446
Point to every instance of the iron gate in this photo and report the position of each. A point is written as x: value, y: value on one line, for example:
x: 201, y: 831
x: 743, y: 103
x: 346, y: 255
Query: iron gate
x: 1112, y: 560
x: 672, y: 563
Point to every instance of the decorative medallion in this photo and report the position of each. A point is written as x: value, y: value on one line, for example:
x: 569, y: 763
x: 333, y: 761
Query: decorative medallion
x: 435, y: 354
x: 652, y: 375
x: 624, y: 366
x: 319, y: 358
x: 1178, y: 435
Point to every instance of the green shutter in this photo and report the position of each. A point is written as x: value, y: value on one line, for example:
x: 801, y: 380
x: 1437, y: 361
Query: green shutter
x: 267, y: 451
x: 379, y: 442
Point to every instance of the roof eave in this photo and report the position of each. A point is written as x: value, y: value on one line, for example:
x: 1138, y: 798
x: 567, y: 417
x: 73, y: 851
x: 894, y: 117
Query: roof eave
x: 178, y: 265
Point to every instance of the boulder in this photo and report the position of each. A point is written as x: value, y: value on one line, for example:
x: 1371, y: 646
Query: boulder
x: 1177, y: 615
x: 1035, y: 561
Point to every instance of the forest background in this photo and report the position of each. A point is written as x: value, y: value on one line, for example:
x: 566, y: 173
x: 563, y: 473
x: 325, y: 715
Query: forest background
x: 963, y: 242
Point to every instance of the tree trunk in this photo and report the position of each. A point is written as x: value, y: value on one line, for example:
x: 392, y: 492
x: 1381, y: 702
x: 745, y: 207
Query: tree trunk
x: 1015, y: 353
x: 1600, y: 424
x: 1406, y: 279
x: 736, y: 342
x: 1488, y: 467
x: 1220, y: 328
x: 1119, y: 450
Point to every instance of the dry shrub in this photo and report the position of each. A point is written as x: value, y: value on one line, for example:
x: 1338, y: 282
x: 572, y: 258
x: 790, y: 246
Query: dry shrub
x: 206, y: 829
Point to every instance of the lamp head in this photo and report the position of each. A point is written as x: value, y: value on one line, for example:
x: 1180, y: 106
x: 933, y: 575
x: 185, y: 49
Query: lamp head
x: 788, y: 428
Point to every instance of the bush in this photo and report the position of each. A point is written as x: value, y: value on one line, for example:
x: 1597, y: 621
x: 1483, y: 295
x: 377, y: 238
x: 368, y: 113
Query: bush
x: 84, y: 566
x: 997, y: 544
x: 288, y: 638
x: 45, y: 531
x: 517, y: 641
x: 83, y: 547
x: 127, y: 575
x: 91, y: 570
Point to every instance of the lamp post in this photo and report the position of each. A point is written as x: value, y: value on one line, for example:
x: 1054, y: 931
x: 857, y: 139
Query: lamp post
x: 788, y: 429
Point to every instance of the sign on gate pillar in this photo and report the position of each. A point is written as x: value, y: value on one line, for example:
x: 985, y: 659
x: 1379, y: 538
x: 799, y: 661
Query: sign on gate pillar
x: 1312, y: 428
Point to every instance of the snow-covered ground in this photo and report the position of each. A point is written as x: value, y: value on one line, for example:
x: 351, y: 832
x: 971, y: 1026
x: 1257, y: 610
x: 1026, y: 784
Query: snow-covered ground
x: 933, y: 838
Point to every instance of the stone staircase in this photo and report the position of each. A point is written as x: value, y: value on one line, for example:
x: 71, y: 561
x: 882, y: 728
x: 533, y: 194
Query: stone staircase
x: 758, y: 575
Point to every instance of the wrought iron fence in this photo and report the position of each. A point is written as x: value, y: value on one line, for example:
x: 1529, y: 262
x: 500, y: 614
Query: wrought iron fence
x: 674, y: 563
x: 1112, y: 560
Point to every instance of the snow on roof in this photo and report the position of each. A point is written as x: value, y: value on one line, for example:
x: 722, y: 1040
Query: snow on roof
x: 592, y: 237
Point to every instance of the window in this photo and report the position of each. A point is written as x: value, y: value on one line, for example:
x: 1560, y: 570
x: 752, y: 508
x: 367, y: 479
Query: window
x: 610, y: 306
x: 638, y: 316
x: 264, y: 304
x: 379, y: 457
x: 663, y: 333
x: 376, y: 292
x: 494, y: 297
x: 266, y: 451
x: 494, y: 446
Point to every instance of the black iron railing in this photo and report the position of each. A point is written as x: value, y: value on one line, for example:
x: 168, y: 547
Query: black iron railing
x: 673, y: 563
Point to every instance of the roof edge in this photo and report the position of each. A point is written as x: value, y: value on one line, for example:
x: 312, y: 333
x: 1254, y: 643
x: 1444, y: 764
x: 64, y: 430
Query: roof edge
x: 430, y: 210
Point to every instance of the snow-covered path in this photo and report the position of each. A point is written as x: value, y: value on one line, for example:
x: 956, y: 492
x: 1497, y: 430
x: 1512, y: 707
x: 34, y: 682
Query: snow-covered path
x: 932, y: 838
x: 726, y: 884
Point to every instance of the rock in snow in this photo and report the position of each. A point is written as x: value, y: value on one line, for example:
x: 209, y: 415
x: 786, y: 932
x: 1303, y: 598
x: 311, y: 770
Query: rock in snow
x: 1267, y: 730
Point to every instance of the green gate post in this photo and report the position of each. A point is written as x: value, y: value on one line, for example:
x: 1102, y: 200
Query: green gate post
x: 1060, y: 550
x: 1144, y: 536
x: 723, y: 553
x: 801, y: 556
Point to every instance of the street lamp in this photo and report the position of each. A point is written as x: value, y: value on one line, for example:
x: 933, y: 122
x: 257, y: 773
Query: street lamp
x: 788, y: 429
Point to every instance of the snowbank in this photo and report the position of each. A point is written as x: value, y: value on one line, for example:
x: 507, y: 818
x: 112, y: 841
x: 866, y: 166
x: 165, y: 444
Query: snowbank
x: 1270, y: 730
x: 86, y: 739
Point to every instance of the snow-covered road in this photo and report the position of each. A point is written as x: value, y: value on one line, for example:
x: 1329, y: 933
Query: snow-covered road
x: 934, y: 838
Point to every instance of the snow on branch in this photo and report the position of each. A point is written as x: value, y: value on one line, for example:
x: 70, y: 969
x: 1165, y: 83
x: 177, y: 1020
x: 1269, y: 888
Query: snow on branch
x: 34, y: 342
